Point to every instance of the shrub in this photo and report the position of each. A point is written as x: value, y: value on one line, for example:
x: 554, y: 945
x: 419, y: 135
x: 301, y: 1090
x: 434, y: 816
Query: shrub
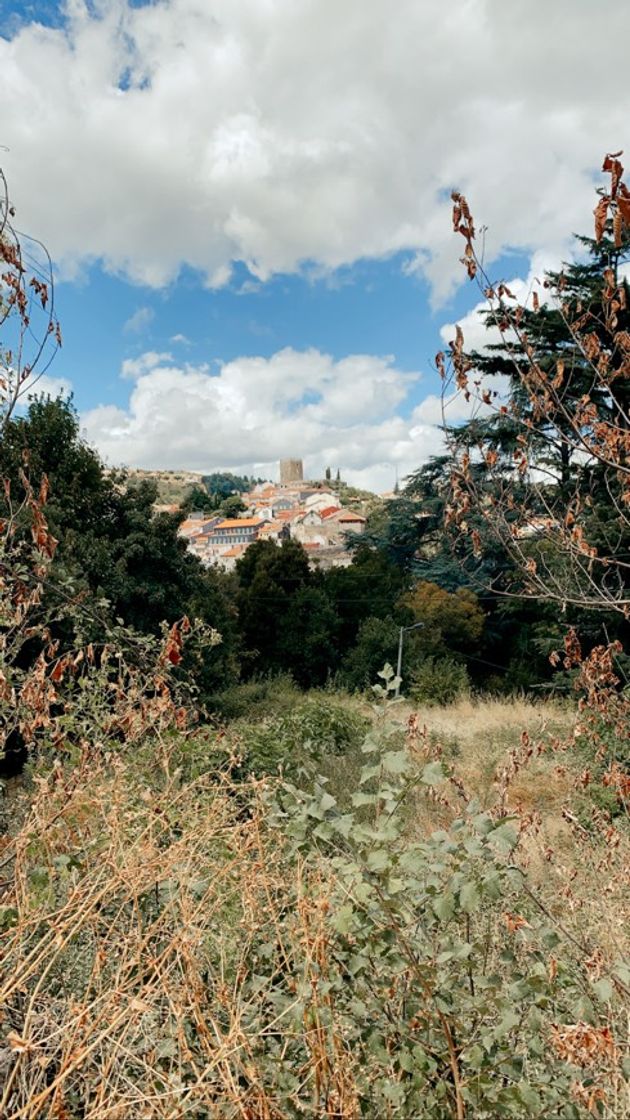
x: 439, y: 680
x: 316, y: 728
x: 167, y: 955
x: 262, y: 696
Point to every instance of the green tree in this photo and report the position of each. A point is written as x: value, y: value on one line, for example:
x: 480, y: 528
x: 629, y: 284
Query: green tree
x: 232, y: 506
x: 285, y: 618
x: 452, y: 621
x: 115, y: 558
x: 222, y: 483
x: 198, y: 498
x: 376, y: 646
x: 368, y: 587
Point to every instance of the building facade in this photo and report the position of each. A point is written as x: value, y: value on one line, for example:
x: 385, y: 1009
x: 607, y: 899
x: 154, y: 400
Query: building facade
x: 291, y: 470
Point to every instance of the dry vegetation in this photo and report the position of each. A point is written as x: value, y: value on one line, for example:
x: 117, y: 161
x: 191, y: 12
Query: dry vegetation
x: 168, y: 950
x: 173, y: 486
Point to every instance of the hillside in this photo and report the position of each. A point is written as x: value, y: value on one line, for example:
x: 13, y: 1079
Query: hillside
x: 173, y: 486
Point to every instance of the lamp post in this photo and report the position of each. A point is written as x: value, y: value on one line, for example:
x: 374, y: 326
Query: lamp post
x: 403, y: 630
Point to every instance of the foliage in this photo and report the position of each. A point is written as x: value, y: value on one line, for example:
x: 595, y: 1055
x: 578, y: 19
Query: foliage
x: 222, y: 484
x: 438, y: 680
x: 200, y: 500
x: 286, y: 620
x: 377, y: 644
x: 232, y: 506
x: 223, y: 951
x: 453, y: 620
x: 368, y: 588
x: 560, y: 434
x: 114, y: 558
x: 256, y: 698
x: 395, y: 529
x: 320, y: 726
x: 70, y: 700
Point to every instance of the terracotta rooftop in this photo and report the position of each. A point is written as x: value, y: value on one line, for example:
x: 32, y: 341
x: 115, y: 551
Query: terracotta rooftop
x: 235, y: 550
x: 189, y: 526
x: 240, y: 523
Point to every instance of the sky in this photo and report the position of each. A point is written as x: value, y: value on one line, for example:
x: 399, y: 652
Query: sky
x: 248, y: 206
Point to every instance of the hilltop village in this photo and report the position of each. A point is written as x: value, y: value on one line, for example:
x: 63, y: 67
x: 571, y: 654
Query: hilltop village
x: 310, y: 512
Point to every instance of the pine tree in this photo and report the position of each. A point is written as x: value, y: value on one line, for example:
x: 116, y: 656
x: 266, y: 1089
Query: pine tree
x: 545, y: 460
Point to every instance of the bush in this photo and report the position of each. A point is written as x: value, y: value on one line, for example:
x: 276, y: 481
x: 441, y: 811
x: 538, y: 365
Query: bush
x: 316, y: 728
x: 261, y: 696
x: 439, y: 680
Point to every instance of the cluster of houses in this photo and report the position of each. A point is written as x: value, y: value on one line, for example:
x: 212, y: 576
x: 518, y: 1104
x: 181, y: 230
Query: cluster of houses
x: 310, y: 513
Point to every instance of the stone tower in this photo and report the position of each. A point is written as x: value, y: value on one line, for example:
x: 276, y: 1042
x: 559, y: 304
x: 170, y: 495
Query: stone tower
x: 291, y: 470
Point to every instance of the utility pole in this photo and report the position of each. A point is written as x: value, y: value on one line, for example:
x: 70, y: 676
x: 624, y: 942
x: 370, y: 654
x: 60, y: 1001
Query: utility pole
x: 403, y: 630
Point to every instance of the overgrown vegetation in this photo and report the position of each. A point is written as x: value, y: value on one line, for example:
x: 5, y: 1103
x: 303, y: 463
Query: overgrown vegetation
x: 282, y: 902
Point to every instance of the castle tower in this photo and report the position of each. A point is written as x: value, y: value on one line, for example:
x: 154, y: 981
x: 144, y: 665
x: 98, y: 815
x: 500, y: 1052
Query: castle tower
x: 291, y: 470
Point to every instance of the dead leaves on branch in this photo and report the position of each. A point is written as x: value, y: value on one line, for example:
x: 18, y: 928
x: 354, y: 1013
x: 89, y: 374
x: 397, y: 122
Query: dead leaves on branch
x: 55, y: 698
x: 26, y: 308
x: 576, y: 399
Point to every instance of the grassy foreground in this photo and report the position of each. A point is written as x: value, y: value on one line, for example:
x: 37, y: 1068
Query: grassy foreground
x: 428, y: 920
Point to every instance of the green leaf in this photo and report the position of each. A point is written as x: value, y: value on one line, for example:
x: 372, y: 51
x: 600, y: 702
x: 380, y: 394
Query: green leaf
x: 166, y: 1048
x: 603, y: 989
x: 343, y: 920
x: 508, y: 1021
x: 443, y: 906
x: 622, y: 971
x: 396, y: 762
x: 473, y: 1057
x: 433, y: 774
x: 363, y: 799
x: 378, y: 860
x: 505, y: 837
x: 344, y: 824
x: 327, y: 802
x: 469, y: 897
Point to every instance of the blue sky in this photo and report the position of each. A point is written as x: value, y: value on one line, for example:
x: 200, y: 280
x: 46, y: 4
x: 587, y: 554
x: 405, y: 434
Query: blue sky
x: 371, y: 307
x: 249, y: 213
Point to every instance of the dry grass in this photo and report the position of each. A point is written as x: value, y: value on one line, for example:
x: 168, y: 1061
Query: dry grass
x: 138, y: 911
x: 517, y: 755
x: 135, y: 910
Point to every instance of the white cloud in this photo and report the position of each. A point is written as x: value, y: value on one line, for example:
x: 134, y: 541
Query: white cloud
x: 476, y: 335
x: 180, y: 340
x: 254, y: 411
x: 133, y: 368
x: 282, y: 131
x: 46, y: 386
x: 139, y: 322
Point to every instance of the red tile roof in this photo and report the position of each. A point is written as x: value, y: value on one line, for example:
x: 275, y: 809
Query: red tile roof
x: 235, y: 550
x: 240, y: 522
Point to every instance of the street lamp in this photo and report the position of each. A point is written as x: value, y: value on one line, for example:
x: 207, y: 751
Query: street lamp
x: 403, y: 630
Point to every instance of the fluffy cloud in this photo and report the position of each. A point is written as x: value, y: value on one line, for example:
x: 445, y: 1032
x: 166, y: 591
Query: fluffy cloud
x: 133, y: 368
x: 254, y: 411
x: 45, y: 386
x: 139, y: 322
x: 282, y: 131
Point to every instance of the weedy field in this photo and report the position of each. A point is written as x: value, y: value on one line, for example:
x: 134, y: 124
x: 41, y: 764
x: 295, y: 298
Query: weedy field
x: 327, y: 909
